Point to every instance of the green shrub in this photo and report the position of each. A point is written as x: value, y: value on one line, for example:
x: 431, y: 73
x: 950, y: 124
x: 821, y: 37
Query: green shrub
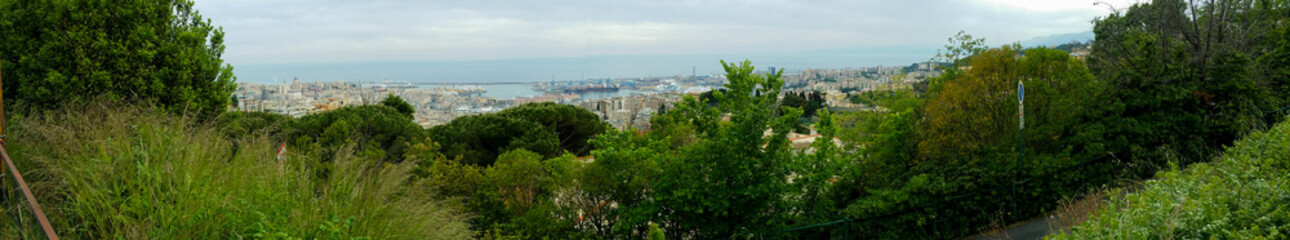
x: 130, y: 173
x: 1244, y: 194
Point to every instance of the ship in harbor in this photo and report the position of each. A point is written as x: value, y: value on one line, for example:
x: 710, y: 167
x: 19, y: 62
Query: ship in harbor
x: 578, y: 89
x: 589, y: 88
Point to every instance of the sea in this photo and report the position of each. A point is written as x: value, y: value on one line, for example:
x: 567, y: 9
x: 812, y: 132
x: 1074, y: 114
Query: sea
x: 509, y: 78
x: 525, y: 90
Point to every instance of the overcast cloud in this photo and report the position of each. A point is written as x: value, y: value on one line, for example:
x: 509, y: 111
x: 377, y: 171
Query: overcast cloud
x: 327, y: 31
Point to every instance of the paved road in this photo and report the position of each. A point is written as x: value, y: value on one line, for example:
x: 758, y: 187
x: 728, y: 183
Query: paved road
x: 1034, y: 229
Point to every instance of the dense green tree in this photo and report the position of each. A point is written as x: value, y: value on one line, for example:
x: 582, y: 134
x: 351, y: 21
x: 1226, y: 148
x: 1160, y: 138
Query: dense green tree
x: 676, y: 132
x: 572, y: 125
x: 731, y: 181
x: 373, y: 130
x: 886, y: 133
x: 517, y: 196
x: 814, y: 103
x: 1182, y: 76
x: 448, y: 177
x: 155, y: 52
x: 793, y: 100
x: 884, y: 140
x: 520, y: 196
x: 1273, y: 71
x: 519, y: 179
x: 815, y: 173
x: 548, y: 129
x: 478, y: 139
x: 616, y: 186
x: 707, y: 170
x: 708, y: 97
x: 960, y: 137
x: 808, y: 102
x: 398, y: 104
x: 975, y: 115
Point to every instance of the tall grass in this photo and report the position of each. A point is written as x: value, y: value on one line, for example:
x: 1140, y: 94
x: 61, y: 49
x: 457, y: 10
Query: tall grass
x: 106, y: 172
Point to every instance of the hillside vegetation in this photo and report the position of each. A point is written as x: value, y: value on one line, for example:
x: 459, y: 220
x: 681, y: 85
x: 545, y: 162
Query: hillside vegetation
x: 1167, y: 83
x: 1245, y: 194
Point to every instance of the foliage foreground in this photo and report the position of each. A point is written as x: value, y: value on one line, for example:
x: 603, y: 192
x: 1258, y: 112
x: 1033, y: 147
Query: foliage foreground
x: 107, y: 172
x: 154, y: 52
x: 1243, y: 195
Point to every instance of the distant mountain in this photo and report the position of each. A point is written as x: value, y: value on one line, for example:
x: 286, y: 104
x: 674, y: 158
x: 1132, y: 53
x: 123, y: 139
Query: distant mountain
x: 1058, y: 39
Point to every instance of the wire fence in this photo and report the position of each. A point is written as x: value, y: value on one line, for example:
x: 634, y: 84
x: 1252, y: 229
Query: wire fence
x: 970, y: 212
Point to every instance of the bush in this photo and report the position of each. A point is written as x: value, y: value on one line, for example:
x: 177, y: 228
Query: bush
x: 132, y: 173
x: 1244, y: 194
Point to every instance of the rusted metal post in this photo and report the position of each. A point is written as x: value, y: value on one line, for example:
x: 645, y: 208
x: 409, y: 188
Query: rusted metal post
x: 17, y: 177
x: 31, y: 199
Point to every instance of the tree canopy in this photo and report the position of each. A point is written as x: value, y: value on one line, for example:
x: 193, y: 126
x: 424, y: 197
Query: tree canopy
x: 371, y: 129
x: 399, y: 105
x: 479, y: 139
x: 548, y: 129
x: 155, y: 52
x: 1189, y: 76
x: 976, y: 111
x: 573, y: 126
x: 729, y: 181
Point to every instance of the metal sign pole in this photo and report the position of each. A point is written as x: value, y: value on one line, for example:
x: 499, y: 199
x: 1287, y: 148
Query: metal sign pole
x: 2, y: 123
x: 1021, y: 126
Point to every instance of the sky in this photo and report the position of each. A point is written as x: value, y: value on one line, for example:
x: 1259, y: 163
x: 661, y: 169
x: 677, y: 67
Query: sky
x: 297, y: 37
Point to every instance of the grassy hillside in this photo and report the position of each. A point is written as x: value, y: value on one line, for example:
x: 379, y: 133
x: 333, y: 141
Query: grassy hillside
x: 106, y: 172
x: 1245, y: 194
